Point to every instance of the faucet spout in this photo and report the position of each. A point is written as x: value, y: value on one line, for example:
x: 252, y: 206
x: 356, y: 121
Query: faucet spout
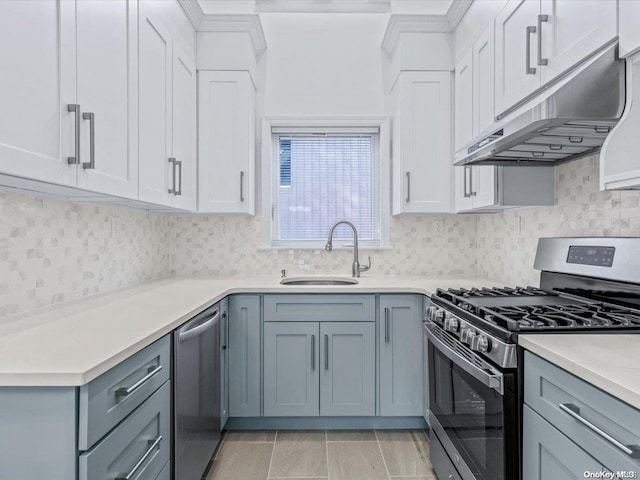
x: 355, y: 268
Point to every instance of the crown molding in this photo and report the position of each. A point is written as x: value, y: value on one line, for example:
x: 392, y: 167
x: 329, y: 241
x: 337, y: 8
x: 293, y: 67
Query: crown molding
x: 193, y: 10
x: 408, y: 23
x: 226, y: 23
x: 331, y: 6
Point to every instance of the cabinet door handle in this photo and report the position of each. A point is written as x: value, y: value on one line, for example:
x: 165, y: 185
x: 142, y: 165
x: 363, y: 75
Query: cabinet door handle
x: 225, y: 333
x: 326, y: 352
x: 178, y: 191
x: 152, y: 445
x: 242, y: 186
x: 313, y: 352
x: 386, y: 325
x: 126, y: 391
x: 574, y: 411
x: 91, y: 164
x: 529, y: 70
x: 408, y: 199
x: 75, y: 108
x: 172, y: 161
x: 541, y: 18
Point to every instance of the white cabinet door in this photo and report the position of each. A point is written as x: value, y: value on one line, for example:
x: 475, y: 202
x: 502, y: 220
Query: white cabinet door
x: 226, y: 144
x: 154, y: 141
x: 483, y: 186
x: 628, y: 15
x: 422, y: 168
x: 463, y: 199
x: 483, y: 81
x: 184, y: 128
x: 516, y: 53
x: 464, y: 101
x: 106, y: 89
x: 571, y: 31
x: 37, y: 82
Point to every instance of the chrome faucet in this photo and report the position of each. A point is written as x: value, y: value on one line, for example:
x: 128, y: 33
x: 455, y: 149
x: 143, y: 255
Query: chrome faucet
x: 355, y: 268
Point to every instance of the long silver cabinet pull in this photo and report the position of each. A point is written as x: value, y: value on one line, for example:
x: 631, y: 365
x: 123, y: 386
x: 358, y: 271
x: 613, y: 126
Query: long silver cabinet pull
x: 152, y: 445
x: 574, y: 411
x: 386, y: 325
x: 91, y: 164
x: 408, y: 199
x: 172, y: 161
x: 178, y: 191
x: 242, y: 186
x: 313, y: 352
x: 126, y: 391
x: 75, y: 108
x: 225, y: 333
x: 541, y: 18
x: 326, y: 352
x: 530, y: 70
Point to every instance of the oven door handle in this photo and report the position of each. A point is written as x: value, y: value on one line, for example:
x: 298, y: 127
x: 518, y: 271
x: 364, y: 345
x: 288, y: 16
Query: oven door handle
x: 493, y: 380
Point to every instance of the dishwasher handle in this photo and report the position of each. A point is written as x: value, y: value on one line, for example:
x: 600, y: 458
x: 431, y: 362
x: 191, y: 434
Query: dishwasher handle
x: 186, y: 333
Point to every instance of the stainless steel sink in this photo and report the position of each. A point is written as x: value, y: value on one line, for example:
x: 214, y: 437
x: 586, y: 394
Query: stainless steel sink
x: 319, y: 281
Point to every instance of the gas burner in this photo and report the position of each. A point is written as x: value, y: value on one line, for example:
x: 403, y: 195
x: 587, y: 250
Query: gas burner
x: 498, y: 292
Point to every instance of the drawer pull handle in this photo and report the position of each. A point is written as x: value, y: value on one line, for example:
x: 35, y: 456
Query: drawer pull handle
x: 152, y: 445
x: 386, y: 325
x: 574, y: 411
x: 126, y: 391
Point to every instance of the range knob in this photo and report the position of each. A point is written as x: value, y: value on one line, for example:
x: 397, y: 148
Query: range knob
x: 480, y: 343
x: 438, y: 315
x: 429, y: 313
x: 451, y: 323
x: 466, y: 335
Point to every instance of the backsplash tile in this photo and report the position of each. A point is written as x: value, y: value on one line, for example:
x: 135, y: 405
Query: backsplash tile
x: 54, y: 251
x: 507, y: 242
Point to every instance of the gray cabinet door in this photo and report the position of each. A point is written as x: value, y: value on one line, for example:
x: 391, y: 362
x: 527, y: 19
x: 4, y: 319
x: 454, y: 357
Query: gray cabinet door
x: 548, y: 454
x: 224, y: 363
x: 425, y: 366
x: 400, y: 350
x: 244, y: 356
x: 291, y: 369
x: 347, y: 360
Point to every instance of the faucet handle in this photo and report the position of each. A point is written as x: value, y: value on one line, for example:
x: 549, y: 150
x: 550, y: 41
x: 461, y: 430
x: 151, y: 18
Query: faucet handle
x: 364, y: 268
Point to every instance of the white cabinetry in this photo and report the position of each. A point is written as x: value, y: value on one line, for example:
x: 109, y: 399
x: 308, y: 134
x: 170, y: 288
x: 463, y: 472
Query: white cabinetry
x: 538, y: 40
x: 628, y: 15
x: 69, y: 53
x: 464, y: 131
x: 167, y: 116
x: 226, y: 145
x: 421, y: 155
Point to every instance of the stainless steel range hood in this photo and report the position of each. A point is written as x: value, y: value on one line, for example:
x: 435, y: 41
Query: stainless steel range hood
x: 570, y: 123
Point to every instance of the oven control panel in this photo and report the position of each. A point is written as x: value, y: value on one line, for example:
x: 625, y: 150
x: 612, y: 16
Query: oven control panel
x: 596, y: 256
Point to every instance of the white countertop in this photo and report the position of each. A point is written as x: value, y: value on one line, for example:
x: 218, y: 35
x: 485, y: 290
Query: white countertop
x: 72, y: 344
x: 610, y: 362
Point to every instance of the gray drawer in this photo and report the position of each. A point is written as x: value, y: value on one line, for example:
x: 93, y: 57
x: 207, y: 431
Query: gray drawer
x: 104, y: 402
x: 165, y: 474
x: 584, y: 413
x: 319, y: 308
x: 138, y: 447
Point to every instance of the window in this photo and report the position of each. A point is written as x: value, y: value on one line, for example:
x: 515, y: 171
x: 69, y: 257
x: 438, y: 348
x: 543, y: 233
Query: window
x: 322, y: 175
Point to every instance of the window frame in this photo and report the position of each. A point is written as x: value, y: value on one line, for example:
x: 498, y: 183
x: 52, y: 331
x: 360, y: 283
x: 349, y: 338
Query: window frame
x: 321, y: 124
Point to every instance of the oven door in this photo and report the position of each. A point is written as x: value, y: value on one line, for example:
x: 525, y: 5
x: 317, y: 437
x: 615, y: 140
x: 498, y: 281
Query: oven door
x: 473, y: 410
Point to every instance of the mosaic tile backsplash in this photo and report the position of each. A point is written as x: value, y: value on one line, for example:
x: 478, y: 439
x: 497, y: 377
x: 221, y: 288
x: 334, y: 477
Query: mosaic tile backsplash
x: 54, y: 251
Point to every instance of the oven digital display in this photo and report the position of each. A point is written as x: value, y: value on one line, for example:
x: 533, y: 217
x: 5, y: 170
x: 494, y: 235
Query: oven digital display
x: 597, y: 256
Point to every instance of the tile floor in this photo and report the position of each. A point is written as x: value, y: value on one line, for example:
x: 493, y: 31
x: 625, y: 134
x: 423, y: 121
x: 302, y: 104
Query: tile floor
x: 323, y: 455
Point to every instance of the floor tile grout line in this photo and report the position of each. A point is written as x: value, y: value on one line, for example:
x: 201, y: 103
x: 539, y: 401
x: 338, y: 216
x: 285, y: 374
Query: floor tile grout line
x: 273, y: 450
x: 386, y: 469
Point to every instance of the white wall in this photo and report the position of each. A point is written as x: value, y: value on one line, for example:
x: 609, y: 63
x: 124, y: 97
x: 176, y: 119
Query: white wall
x: 323, y: 64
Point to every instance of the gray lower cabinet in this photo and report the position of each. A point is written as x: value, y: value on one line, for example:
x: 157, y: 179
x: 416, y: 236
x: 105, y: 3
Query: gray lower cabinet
x: 319, y: 368
x: 400, y: 350
x: 165, y: 474
x: 224, y: 363
x: 549, y: 455
x: 245, y: 355
x: 425, y: 367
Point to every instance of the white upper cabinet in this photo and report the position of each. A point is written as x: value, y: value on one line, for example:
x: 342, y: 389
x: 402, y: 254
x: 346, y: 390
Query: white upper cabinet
x: 628, y: 15
x: 107, y: 95
x: 571, y: 30
x: 184, y: 129
x: 421, y: 156
x: 483, y: 81
x: 36, y: 85
x: 464, y: 101
x: 226, y: 145
x: 516, y: 72
x: 539, y: 40
x: 155, y: 69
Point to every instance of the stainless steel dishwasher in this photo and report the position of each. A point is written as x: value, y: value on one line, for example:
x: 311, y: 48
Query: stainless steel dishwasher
x: 196, y: 389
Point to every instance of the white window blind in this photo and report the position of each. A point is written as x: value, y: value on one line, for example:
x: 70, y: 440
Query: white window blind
x: 323, y: 178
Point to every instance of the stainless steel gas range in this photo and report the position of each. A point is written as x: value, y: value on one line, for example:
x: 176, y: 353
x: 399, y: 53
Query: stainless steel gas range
x: 476, y: 365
